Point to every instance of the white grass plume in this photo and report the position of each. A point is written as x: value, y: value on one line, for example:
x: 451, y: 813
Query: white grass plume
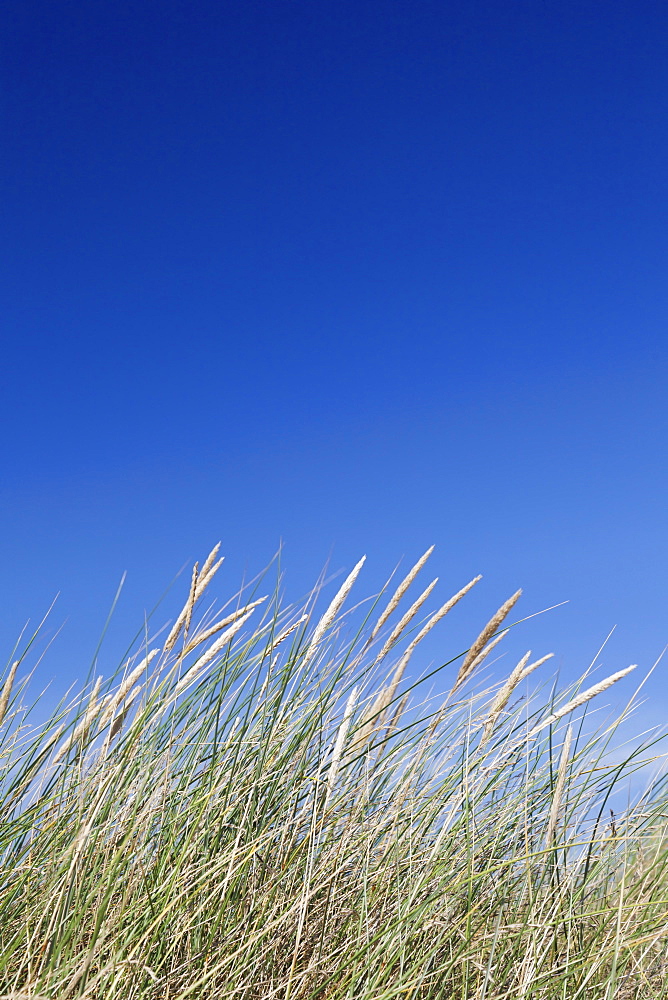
x: 81, y: 730
x: 424, y: 631
x: 201, y: 637
x: 405, y: 620
x: 210, y: 559
x: 340, y: 743
x: 7, y: 690
x: 195, y: 671
x: 198, y: 584
x: 288, y: 631
x: 185, y: 614
x: 559, y: 789
x: 484, y: 653
x: 331, y: 613
x: 191, y: 599
x: 581, y: 699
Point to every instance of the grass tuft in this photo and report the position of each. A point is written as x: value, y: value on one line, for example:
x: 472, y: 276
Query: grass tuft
x: 252, y: 810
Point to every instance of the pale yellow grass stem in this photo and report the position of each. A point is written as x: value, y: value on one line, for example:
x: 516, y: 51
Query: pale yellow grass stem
x: 400, y: 591
x: 394, y: 721
x: 559, y: 789
x: 331, y: 613
x: 371, y: 721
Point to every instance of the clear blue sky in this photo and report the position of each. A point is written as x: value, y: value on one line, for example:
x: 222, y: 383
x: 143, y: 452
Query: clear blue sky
x: 361, y: 276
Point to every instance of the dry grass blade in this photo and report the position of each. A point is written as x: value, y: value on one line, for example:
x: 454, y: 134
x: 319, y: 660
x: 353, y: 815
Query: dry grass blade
x: 7, y: 690
x: 91, y: 710
x: 127, y: 705
x: 581, y: 699
x: 371, y: 721
x: 393, y: 723
x: 559, y: 789
x: 331, y: 612
x: 23, y: 996
x: 399, y: 592
x: 490, y: 628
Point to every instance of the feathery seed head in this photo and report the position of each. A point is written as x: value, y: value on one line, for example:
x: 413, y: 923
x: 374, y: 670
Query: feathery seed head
x: 7, y: 690
x: 331, y: 612
x: 400, y: 591
x: 489, y: 630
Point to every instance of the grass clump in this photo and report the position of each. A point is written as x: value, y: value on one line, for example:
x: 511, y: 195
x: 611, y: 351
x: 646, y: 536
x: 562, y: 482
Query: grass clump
x: 260, y: 806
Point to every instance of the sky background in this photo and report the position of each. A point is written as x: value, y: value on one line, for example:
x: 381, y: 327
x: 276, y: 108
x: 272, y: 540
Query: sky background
x: 357, y: 276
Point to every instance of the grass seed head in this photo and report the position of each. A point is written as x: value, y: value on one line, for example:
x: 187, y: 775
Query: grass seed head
x: 394, y: 601
x: 7, y: 690
x: 489, y: 630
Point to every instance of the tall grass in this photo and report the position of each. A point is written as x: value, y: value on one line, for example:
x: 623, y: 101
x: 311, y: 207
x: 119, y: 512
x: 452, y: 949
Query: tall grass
x: 262, y: 805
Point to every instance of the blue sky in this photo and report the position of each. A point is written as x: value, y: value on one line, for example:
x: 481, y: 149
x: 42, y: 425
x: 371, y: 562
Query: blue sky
x: 362, y: 277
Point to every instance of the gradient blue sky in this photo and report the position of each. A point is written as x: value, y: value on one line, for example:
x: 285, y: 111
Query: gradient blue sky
x: 361, y: 276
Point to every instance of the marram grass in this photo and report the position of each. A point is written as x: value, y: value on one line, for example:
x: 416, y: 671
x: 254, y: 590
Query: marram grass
x: 262, y: 805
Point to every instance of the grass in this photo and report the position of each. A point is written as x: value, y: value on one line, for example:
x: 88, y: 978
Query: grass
x: 261, y: 805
